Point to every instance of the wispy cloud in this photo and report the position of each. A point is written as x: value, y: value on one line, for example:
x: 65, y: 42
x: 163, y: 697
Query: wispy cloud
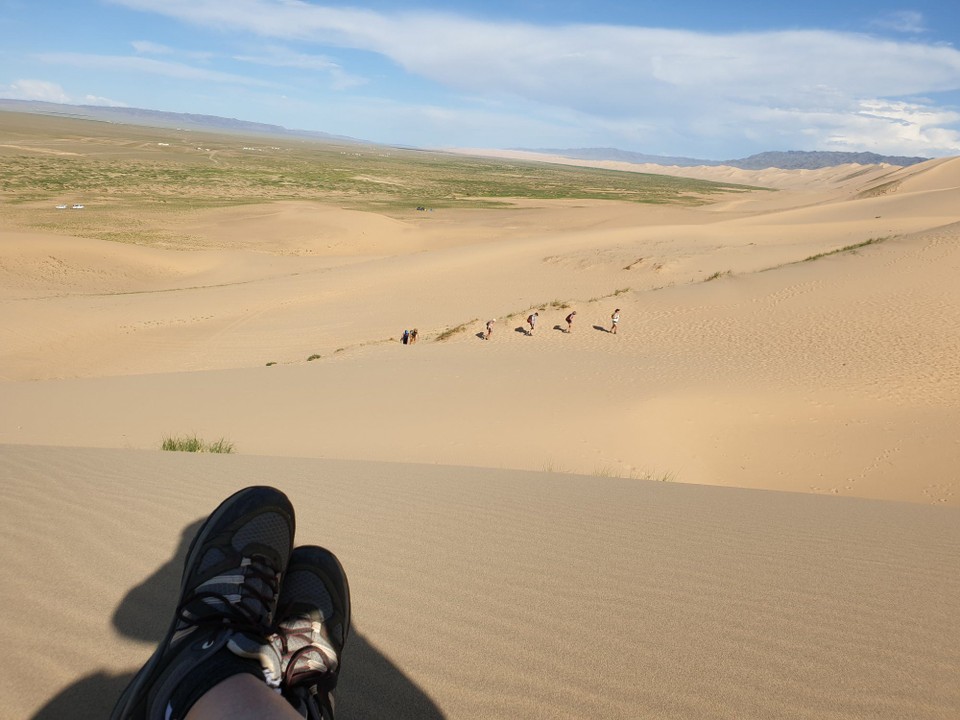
x: 280, y: 57
x: 147, y: 47
x: 151, y: 48
x: 579, y: 64
x: 902, y: 21
x: 135, y: 64
x: 275, y: 56
x: 627, y: 75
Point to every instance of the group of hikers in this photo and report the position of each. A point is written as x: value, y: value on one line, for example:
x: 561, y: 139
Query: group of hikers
x: 533, y: 317
x: 409, y: 337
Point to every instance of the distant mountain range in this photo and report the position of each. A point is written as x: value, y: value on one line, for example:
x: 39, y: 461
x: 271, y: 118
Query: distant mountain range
x: 792, y: 160
x: 162, y: 119
x: 789, y: 160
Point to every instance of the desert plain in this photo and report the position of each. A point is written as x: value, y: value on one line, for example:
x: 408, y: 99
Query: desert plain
x: 745, y: 503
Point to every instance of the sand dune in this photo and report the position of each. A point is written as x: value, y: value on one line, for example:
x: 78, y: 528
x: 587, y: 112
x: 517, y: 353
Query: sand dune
x: 485, y: 593
x: 528, y: 522
x: 838, y: 375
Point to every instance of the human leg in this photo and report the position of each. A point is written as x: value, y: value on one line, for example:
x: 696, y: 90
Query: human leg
x: 242, y: 697
x: 223, y: 621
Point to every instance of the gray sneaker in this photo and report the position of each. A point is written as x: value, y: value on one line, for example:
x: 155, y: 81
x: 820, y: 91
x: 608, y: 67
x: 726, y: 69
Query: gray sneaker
x: 313, y: 621
x: 223, y: 622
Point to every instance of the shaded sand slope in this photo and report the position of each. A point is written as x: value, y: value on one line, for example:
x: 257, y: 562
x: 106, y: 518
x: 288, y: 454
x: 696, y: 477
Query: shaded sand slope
x: 484, y: 593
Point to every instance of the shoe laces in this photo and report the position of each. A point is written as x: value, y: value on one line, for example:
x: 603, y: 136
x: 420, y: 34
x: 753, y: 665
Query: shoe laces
x: 248, y: 611
x: 313, y: 660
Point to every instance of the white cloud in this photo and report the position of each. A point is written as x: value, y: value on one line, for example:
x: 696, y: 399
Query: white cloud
x: 919, y: 128
x: 42, y: 90
x: 628, y: 76
x: 102, y: 101
x: 35, y: 90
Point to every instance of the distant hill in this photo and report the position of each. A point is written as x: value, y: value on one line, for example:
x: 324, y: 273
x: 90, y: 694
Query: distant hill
x: 162, y: 119
x: 790, y: 160
x: 812, y: 160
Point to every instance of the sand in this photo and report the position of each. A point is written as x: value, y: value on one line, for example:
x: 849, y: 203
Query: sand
x: 737, y: 363
x: 724, y: 510
x: 493, y: 593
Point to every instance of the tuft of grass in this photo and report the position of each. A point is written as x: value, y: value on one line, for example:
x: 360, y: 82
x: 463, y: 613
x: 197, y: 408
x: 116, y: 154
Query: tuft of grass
x: 607, y: 471
x: 717, y: 275
x: 220, y: 446
x: 313, y: 357
x: 191, y: 443
x: 615, y: 293
x: 450, y: 332
x: 665, y: 476
x: 849, y: 248
x: 271, y: 363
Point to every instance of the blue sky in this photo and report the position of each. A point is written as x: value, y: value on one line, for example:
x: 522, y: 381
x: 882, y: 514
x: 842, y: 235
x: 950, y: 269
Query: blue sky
x: 699, y: 78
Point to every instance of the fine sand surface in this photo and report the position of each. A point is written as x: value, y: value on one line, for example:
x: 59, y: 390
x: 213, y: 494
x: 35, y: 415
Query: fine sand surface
x: 554, y: 524
x: 485, y: 593
x: 736, y: 363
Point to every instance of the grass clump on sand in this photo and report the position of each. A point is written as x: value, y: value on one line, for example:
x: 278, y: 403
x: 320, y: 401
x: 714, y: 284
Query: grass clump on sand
x: 191, y: 443
x: 450, y: 332
x: 848, y: 248
x: 606, y: 471
x: 717, y: 275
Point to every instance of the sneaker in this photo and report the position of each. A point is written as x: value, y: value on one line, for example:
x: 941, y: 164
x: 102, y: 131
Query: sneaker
x: 228, y: 597
x: 313, y: 621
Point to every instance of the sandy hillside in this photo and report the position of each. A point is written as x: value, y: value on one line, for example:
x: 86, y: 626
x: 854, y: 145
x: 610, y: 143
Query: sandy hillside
x: 737, y: 363
x: 502, y: 594
x: 540, y: 525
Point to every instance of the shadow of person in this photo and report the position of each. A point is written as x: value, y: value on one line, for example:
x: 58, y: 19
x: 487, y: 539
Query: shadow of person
x: 146, y: 610
x: 482, y: 335
x: 560, y: 328
x: 600, y: 328
x: 369, y: 686
x: 521, y: 329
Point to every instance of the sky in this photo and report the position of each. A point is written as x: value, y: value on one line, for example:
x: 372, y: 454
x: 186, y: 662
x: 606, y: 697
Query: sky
x: 695, y: 78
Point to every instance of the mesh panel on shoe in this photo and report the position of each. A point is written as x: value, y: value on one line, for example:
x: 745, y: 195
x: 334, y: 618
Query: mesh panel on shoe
x: 209, y: 559
x: 268, y: 528
x: 308, y: 585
